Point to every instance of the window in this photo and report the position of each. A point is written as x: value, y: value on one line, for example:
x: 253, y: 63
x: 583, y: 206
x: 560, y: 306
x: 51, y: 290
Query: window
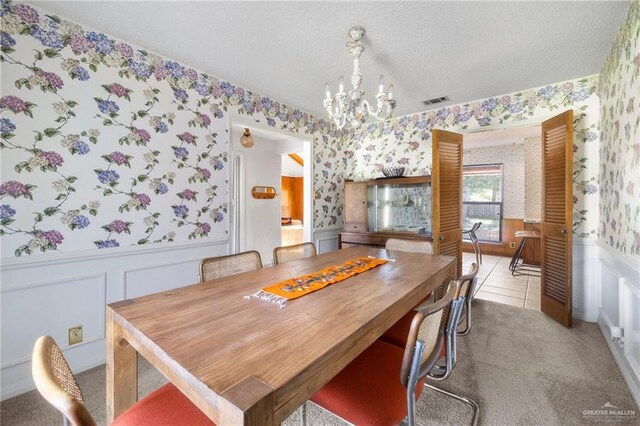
x: 482, y: 200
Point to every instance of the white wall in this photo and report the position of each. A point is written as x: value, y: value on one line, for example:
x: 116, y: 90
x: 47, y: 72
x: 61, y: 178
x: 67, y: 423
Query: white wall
x: 48, y: 294
x: 290, y: 167
x: 262, y: 167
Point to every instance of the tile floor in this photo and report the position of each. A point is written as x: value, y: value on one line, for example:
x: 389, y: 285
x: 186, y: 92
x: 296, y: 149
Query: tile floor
x: 498, y: 285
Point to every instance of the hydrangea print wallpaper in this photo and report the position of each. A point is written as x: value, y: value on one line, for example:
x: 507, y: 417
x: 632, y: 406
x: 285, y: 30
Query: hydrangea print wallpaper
x: 105, y: 144
x: 620, y: 150
x: 406, y: 140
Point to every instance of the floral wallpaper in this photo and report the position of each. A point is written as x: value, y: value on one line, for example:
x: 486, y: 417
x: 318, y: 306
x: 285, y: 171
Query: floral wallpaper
x: 105, y: 144
x: 532, y: 177
x: 620, y: 136
x: 406, y: 140
x: 512, y: 159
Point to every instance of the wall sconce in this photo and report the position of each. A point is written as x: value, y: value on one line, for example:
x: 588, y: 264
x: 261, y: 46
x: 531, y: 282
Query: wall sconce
x: 263, y: 192
x: 246, y: 140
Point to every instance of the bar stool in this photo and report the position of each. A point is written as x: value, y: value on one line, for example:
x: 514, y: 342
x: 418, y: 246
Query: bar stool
x: 515, y: 260
x: 474, y: 241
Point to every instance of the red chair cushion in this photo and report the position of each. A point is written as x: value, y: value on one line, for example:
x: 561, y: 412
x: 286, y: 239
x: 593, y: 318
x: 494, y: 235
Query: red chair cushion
x: 398, y: 333
x: 368, y: 391
x: 165, y: 406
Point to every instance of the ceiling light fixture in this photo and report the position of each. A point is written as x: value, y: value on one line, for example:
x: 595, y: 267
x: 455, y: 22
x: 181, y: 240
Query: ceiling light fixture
x: 349, y: 107
x: 246, y: 139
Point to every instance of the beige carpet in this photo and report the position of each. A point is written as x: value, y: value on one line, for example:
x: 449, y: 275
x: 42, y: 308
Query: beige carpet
x: 519, y: 366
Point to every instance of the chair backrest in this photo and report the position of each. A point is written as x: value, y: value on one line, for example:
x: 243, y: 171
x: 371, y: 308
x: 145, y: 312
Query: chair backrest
x: 414, y: 246
x: 56, y: 383
x: 294, y: 252
x: 223, y: 266
x: 467, y: 282
x: 475, y: 227
x: 427, y: 328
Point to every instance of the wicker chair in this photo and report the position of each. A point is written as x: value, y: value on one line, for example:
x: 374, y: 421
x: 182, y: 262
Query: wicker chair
x: 56, y: 383
x: 468, y: 291
x: 212, y: 268
x: 449, y: 351
x: 414, y: 246
x: 367, y: 390
x: 397, y: 333
x: 294, y: 252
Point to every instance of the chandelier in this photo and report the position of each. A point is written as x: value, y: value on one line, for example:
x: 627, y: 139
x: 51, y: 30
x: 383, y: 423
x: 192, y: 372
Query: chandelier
x: 349, y: 107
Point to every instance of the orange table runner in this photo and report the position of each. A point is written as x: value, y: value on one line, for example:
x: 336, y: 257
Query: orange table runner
x: 293, y: 288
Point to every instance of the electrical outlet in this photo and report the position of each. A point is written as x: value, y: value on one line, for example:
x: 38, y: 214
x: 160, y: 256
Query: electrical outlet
x: 75, y: 335
x: 512, y: 244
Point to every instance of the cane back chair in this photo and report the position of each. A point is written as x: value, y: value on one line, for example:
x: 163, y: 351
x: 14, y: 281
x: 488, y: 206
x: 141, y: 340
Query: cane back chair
x: 212, y: 268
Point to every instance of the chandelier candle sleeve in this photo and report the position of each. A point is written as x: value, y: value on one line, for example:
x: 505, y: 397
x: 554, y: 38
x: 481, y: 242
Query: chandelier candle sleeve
x: 297, y: 287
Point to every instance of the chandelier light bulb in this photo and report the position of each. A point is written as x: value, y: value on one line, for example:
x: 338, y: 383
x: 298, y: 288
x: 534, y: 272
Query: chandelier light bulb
x: 341, y: 89
x: 391, y: 92
x: 381, y: 84
x: 326, y: 86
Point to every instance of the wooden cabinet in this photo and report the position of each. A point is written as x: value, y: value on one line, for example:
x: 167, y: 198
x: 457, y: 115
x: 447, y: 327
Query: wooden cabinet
x: 355, y: 206
x: 376, y: 239
x: 379, y: 209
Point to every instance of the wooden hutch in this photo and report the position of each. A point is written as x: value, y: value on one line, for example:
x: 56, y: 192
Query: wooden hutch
x: 378, y: 209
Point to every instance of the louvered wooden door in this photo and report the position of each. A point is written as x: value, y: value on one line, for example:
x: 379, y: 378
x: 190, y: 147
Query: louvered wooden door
x: 557, y: 217
x: 446, y: 181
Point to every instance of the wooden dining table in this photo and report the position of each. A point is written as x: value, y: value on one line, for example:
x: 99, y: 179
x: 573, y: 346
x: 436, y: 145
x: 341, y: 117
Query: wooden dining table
x: 247, y: 361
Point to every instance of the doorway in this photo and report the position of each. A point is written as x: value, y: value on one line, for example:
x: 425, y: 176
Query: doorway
x: 555, y: 227
x: 256, y: 222
x: 292, y: 199
x: 501, y: 190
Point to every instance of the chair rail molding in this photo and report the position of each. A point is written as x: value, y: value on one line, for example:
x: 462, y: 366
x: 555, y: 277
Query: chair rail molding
x: 12, y: 263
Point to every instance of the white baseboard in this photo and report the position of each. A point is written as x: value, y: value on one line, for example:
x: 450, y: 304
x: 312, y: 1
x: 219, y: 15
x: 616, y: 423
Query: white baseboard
x: 632, y: 381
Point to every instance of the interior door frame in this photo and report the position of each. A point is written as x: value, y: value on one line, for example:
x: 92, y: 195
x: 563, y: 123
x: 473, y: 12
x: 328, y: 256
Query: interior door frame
x: 237, y: 234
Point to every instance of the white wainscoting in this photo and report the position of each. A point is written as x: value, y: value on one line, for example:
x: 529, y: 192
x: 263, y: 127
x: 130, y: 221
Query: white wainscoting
x: 585, y: 284
x: 326, y: 239
x: 48, y: 294
x: 619, y: 311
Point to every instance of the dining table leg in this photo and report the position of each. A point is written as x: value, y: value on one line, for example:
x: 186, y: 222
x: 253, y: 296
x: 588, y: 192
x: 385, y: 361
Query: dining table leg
x: 250, y: 402
x: 122, y: 370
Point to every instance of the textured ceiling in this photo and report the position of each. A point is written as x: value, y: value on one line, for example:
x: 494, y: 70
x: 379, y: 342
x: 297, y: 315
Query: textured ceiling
x: 287, y: 50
